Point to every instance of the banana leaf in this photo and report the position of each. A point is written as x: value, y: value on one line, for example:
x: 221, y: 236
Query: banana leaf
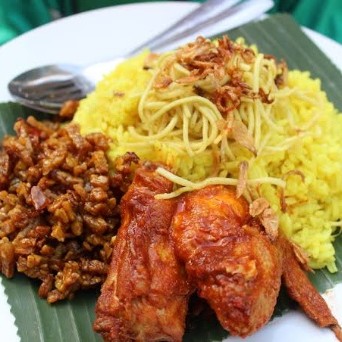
x: 39, y: 321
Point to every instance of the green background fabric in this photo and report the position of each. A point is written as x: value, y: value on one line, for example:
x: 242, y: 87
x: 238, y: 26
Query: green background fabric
x: 19, y: 16
x: 324, y: 16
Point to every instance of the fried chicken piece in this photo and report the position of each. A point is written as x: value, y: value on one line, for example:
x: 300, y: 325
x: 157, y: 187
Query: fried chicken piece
x: 146, y: 292
x: 302, y: 291
x: 228, y: 257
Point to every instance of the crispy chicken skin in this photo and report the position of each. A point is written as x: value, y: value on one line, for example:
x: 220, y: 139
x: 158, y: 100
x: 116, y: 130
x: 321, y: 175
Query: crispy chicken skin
x: 230, y: 260
x: 302, y: 291
x: 146, y: 292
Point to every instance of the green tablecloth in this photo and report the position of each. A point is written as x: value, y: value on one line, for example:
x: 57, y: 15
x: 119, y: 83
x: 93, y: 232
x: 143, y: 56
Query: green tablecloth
x: 19, y: 16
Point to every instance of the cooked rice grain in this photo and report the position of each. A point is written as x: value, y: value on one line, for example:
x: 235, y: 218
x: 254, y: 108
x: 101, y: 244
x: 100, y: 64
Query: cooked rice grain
x: 304, y: 148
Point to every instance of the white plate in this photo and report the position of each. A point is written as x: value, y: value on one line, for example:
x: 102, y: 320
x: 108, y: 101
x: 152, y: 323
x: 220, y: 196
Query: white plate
x: 101, y: 35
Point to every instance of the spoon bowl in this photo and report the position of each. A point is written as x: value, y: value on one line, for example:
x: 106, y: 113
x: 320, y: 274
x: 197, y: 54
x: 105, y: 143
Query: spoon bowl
x: 47, y: 88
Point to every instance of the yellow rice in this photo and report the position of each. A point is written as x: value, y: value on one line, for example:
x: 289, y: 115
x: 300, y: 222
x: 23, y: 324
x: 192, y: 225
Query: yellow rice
x: 314, y: 206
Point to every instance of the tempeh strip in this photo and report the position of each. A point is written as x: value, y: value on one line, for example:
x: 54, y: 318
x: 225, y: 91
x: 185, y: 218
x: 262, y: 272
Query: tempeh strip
x: 302, y: 291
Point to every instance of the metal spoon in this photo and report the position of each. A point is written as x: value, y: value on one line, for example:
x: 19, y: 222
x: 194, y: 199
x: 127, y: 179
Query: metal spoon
x: 47, y: 88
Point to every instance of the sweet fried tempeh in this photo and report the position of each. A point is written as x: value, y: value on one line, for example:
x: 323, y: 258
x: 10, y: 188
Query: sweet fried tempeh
x: 301, y: 290
x: 146, y: 292
x: 234, y: 265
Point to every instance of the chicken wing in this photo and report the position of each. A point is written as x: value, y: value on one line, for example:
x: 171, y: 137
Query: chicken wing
x: 231, y: 261
x: 145, y: 295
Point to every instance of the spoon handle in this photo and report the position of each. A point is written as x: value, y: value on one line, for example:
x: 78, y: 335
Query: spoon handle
x: 247, y: 9
x: 208, y: 13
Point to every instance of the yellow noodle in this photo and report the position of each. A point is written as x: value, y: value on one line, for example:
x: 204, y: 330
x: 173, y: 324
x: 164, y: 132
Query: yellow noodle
x: 190, y: 186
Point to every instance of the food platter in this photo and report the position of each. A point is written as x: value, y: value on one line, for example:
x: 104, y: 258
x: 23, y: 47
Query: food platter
x: 104, y: 24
